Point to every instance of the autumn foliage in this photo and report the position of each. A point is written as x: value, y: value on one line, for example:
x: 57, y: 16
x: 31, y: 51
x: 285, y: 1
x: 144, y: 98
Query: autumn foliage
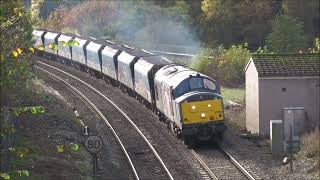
x: 15, y: 43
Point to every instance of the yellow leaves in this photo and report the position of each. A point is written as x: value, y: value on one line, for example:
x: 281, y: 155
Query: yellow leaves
x: 5, y: 176
x: 31, y: 50
x: 73, y: 43
x: 19, y: 51
x: 14, y: 53
x: 7, y: 130
x: 210, y: 7
x: 53, y: 46
x: 22, y: 152
x: 74, y: 147
x: 18, y: 11
x: 40, y: 48
x: 23, y: 173
x: 63, y: 43
x: 60, y: 148
x: 7, y: 23
x: 33, y: 109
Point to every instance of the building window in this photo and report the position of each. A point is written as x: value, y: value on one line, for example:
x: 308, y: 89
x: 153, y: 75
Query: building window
x: 284, y: 89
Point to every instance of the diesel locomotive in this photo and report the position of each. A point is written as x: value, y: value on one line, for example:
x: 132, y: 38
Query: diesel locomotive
x: 189, y: 102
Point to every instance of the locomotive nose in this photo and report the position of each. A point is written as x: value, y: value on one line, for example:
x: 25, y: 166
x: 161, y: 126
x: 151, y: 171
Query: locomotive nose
x: 202, y: 111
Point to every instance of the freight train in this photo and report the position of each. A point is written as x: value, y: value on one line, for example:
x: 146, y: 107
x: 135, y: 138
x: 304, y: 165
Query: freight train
x: 189, y: 102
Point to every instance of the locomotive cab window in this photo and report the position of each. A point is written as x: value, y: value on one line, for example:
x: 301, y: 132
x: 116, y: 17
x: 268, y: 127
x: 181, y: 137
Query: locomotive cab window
x: 208, y: 84
x: 195, y: 83
x: 182, y: 88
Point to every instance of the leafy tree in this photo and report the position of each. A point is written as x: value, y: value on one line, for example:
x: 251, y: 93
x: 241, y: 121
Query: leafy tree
x: 233, y: 21
x: 35, y: 11
x: 91, y: 17
x: 15, y: 41
x: 225, y: 65
x: 308, y: 13
x: 232, y: 63
x: 287, y: 35
x: 55, y: 17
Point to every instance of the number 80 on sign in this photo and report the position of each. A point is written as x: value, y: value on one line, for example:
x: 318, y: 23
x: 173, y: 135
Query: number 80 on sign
x: 93, y: 144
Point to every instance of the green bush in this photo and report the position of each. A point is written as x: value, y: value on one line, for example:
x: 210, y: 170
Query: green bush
x: 15, y: 43
x: 232, y: 64
x: 225, y: 65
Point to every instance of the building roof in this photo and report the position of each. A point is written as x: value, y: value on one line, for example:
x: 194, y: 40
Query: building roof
x: 287, y: 65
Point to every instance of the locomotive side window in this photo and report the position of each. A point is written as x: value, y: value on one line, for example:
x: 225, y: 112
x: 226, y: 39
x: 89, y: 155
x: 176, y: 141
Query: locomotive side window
x: 208, y: 84
x: 195, y: 83
x: 182, y: 88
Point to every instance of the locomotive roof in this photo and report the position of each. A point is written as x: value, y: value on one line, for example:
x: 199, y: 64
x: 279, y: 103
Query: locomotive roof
x: 286, y: 65
x: 174, y: 74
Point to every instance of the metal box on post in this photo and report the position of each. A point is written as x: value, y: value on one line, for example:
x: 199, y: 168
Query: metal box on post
x: 276, y: 137
x: 294, y: 117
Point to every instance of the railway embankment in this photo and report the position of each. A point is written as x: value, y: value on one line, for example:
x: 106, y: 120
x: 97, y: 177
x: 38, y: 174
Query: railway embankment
x: 40, y: 136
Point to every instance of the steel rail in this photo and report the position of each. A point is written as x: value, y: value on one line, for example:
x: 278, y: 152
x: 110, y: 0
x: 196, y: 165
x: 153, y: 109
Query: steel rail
x: 204, y: 165
x: 237, y: 164
x: 127, y: 117
x: 102, y: 117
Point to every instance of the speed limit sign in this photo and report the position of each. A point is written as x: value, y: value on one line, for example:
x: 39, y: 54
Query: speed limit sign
x: 93, y: 144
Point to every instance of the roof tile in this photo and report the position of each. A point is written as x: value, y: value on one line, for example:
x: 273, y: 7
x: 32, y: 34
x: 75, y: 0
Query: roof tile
x: 287, y: 64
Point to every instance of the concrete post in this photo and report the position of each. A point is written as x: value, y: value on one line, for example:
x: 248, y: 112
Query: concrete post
x: 276, y: 137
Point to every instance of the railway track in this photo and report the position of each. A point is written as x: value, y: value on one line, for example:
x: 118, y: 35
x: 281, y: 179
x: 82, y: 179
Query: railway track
x: 215, y: 163
x: 219, y: 164
x: 144, y: 161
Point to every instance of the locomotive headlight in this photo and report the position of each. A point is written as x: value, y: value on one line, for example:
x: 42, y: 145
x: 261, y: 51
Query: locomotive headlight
x: 193, y: 107
x: 203, y: 115
x: 209, y: 105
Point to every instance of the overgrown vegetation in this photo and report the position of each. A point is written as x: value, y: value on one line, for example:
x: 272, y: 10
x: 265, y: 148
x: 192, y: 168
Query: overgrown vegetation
x: 225, y: 65
x: 311, y: 144
x: 15, y: 43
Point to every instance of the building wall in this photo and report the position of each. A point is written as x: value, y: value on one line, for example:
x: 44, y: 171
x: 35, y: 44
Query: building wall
x: 252, y: 99
x: 277, y: 93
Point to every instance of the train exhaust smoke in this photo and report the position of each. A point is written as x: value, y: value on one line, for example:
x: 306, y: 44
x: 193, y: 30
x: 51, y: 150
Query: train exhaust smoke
x: 142, y: 24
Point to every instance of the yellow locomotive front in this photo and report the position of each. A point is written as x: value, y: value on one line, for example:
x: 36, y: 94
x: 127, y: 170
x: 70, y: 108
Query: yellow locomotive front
x: 202, y: 116
x: 190, y: 103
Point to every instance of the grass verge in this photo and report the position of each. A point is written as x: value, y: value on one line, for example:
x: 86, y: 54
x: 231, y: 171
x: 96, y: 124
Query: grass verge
x: 233, y: 94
